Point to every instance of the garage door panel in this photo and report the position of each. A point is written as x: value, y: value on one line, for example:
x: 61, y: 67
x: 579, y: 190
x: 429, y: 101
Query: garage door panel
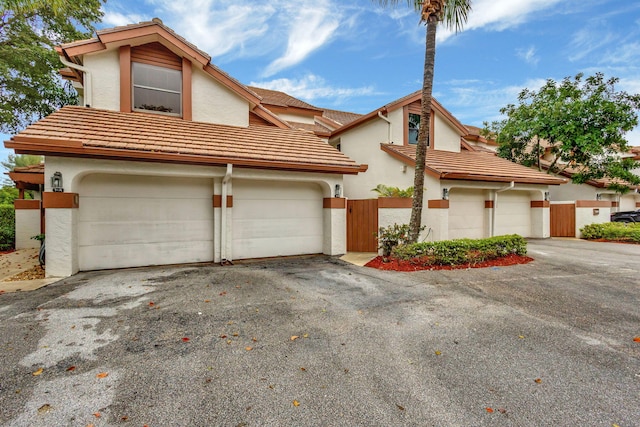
x: 301, y: 208
x: 118, y: 209
x: 276, y: 219
x: 303, y: 228
x: 109, y: 233
x: 148, y: 187
x: 466, y: 214
x: 513, y: 213
x: 134, y: 255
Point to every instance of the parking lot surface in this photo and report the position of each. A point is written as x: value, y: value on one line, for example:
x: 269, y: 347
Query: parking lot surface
x: 313, y: 341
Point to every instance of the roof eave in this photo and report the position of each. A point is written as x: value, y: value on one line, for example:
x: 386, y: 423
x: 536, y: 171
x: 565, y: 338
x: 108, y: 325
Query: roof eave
x: 74, y: 148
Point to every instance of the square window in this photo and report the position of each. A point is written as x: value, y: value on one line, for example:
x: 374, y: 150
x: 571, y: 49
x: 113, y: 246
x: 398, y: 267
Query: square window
x: 157, y: 89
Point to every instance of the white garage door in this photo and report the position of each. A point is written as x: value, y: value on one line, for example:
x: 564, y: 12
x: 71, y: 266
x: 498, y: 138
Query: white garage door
x: 129, y: 221
x: 466, y: 214
x: 513, y: 213
x: 276, y: 219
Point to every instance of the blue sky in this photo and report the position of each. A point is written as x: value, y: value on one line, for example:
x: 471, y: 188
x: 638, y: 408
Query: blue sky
x: 354, y: 56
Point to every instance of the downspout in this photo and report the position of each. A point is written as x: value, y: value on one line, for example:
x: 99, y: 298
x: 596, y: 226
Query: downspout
x: 223, y: 217
x: 389, y: 127
x: 86, y: 79
x: 492, y: 224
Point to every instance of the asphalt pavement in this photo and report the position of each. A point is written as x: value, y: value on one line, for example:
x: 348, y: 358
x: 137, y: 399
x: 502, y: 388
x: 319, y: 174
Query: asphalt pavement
x: 314, y: 341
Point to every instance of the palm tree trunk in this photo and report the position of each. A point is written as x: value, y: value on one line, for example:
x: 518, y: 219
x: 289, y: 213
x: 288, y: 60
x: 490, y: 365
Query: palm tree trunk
x: 424, y: 130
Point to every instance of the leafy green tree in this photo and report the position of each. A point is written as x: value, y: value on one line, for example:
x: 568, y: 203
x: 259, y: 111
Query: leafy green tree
x: 581, y: 121
x: 30, y: 87
x: 453, y: 13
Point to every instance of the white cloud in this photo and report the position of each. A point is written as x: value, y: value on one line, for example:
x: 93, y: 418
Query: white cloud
x: 499, y: 15
x: 116, y: 19
x: 588, y: 40
x: 311, y: 88
x: 279, y: 28
x: 474, y: 102
x: 528, y: 55
x: 311, y: 28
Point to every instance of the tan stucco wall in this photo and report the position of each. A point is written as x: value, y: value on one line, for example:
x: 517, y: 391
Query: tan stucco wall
x: 105, y: 79
x: 27, y: 226
x: 571, y: 192
x: 214, y: 103
x: 446, y: 136
x: 586, y: 216
x: 296, y: 118
x: 363, y: 145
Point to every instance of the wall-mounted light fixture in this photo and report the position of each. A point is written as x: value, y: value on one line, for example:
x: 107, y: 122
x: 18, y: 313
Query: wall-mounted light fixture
x: 599, y: 196
x: 337, y: 191
x: 546, y: 196
x: 56, y: 182
x: 445, y: 194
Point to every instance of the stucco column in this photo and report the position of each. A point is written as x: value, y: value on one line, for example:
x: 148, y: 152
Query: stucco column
x: 334, y: 214
x: 62, y: 233
x: 489, y: 206
x: 394, y: 210
x: 438, y: 218
x: 540, y: 219
x: 217, y: 221
x: 27, y: 223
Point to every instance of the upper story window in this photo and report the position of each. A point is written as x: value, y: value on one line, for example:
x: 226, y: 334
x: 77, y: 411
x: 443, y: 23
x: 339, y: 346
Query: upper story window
x: 414, y: 125
x: 157, y: 89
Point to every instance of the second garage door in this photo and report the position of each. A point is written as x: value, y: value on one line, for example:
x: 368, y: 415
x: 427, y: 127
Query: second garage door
x: 273, y: 218
x: 513, y: 213
x: 130, y: 221
x: 466, y: 214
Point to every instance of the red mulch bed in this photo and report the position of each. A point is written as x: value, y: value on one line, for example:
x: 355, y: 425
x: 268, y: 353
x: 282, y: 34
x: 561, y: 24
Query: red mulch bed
x: 395, y: 264
x: 7, y: 251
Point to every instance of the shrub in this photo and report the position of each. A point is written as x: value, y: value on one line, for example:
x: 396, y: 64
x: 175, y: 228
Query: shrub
x: 622, y: 231
x: 462, y: 251
x: 386, y: 191
x: 392, y: 236
x: 7, y: 227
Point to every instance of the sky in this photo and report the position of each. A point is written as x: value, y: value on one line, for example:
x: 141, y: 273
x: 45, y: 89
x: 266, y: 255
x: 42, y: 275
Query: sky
x: 353, y: 55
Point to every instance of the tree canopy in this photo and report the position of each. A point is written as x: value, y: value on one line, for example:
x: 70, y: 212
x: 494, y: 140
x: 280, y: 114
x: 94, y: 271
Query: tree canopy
x: 30, y: 87
x: 579, y: 124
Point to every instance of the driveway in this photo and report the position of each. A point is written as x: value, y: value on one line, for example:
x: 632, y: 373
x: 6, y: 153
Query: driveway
x: 317, y: 342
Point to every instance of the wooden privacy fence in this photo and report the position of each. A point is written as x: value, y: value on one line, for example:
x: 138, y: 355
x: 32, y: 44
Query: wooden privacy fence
x: 362, y: 225
x: 563, y: 220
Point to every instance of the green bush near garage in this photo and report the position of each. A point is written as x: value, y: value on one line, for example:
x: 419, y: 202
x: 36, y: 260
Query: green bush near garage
x: 462, y: 251
x: 7, y: 227
x: 615, y: 231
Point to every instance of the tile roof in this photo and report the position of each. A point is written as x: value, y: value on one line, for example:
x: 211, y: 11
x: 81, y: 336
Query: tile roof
x: 316, y: 128
x: 340, y: 117
x: 93, y: 132
x: 598, y: 183
x: 472, y: 166
x: 39, y: 168
x: 281, y: 99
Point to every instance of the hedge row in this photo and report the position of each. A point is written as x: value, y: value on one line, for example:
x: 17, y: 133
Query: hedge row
x: 462, y: 251
x: 626, y: 232
x: 7, y: 227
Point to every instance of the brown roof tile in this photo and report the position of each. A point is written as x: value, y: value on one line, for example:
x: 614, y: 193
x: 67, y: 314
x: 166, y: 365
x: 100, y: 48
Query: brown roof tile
x: 281, y: 99
x: 101, y: 133
x: 340, y: 117
x: 472, y: 165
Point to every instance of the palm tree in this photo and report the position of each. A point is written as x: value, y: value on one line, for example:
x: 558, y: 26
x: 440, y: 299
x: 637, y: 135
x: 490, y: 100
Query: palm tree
x: 453, y: 13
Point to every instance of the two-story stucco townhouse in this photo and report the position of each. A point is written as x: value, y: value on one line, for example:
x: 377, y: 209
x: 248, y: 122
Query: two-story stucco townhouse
x: 170, y: 160
x: 469, y: 192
